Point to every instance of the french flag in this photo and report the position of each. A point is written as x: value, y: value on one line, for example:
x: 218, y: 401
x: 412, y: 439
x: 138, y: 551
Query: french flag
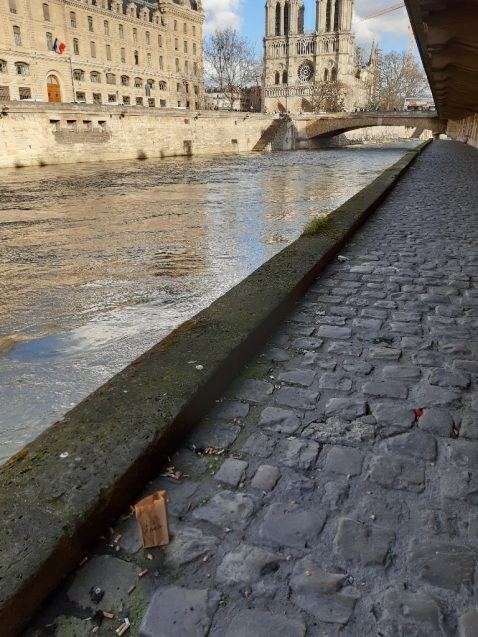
x: 58, y: 47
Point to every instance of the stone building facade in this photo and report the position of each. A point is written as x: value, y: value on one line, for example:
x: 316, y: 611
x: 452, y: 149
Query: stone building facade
x: 295, y: 62
x: 141, y: 53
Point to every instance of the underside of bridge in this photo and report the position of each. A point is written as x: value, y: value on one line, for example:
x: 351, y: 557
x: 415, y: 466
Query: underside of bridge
x: 447, y: 37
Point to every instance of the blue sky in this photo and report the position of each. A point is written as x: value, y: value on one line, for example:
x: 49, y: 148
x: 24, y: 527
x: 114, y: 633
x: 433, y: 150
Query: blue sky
x: 390, y: 30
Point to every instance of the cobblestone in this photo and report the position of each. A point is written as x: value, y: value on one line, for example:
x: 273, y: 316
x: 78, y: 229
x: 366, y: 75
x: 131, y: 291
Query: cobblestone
x: 352, y: 452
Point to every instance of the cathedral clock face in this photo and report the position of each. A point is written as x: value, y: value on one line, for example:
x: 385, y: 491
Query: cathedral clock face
x: 305, y: 72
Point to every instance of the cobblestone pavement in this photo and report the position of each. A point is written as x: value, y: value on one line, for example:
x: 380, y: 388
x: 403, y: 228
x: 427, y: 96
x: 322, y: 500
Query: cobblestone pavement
x: 346, y: 501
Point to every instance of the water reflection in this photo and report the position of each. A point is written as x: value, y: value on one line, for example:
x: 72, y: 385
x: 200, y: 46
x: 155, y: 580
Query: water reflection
x: 99, y: 262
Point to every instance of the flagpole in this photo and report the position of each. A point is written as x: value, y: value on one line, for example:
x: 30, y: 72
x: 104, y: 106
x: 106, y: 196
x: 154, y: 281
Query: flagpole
x: 72, y: 79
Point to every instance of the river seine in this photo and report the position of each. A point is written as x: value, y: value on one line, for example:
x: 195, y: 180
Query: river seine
x: 101, y: 261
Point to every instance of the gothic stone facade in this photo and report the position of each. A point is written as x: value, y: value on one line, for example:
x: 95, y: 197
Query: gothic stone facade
x: 295, y: 62
x: 141, y: 53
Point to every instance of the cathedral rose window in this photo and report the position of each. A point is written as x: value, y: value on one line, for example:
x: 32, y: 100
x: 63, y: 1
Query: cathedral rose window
x: 305, y: 72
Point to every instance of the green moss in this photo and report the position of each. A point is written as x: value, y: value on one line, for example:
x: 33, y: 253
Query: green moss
x: 321, y: 226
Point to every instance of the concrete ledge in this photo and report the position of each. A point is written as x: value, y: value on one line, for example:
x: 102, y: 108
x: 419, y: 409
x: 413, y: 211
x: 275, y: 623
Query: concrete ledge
x: 52, y: 508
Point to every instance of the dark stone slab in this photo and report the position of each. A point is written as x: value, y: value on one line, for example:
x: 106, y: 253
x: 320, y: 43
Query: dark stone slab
x: 255, y: 623
x: 291, y: 526
x: 448, y: 566
x: 363, y: 543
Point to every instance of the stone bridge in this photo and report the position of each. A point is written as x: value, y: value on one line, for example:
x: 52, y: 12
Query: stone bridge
x: 330, y: 124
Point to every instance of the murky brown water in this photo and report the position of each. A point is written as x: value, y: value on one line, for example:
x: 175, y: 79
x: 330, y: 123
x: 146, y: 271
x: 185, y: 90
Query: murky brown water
x: 100, y: 261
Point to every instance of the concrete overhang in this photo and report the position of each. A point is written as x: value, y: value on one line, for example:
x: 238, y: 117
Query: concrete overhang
x: 447, y: 35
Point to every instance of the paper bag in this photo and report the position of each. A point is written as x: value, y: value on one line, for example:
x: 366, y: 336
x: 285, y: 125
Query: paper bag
x: 152, y: 517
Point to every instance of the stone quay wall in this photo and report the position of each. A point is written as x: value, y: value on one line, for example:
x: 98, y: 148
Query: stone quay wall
x: 38, y: 135
x: 465, y: 130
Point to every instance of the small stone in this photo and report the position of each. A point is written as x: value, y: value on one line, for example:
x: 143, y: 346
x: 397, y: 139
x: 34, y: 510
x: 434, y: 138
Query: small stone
x: 260, y: 443
x: 288, y: 525
x: 324, y: 595
x: 366, y: 544
x: 433, y: 396
x: 216, y: 435
x: 393, y: 415
x: 468, y: 624
x: 428, y: 359
x: 279, y: 420
x: 252, y: 623
x: 226, y: 508
x: 305, y: 343
x: 344, y: 460
x: 401, y: 372
x: 335, y: 381
x: 188, y: 545
x: 463, y: 453
x: 415, y: 445
x: 406, y: 613
x: 302, y: 377
x: 346, y: 408
x: 384, y: 353
x: 230, y: 410
x: 469, y: 426
x: 444, y: 378
x: 437, y: 421
x: 367, y: 324
x: 178, y: 611
x: 393, y: 472
x: 385, y: 389
x: 276, y: 355
x: 254, y: 391
x: 297, y: 398
x: 231, y: 472
x: 459, y: 485
x: 357, y: 366
x: 345, y: 349
x: 299, y: 453
x: 246, y: 565
x: 331, y: 331
x: 266, y: 478
x: 444, y: 565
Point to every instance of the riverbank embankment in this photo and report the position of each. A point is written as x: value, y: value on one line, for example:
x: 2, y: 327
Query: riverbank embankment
x: 61, y: 490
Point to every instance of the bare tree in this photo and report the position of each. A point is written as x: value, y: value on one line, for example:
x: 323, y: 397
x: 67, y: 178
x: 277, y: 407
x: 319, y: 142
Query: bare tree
x: 230, y: 63
x: 399, y: 75
x: 329, y: 97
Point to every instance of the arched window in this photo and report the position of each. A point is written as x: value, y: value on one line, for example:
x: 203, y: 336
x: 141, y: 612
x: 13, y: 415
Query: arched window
x: 328, y: 15
x: 110, y: 78
x: 333, y: 75
x: 78, y: 75
x: 286, y: 18
x: 95, y: 77
x: 326, y: 75
x: 138, y: 82
x: 136, y: 58
x: 52, y: 80
x: 124, y: 80
x: 277, y: 77
x: 162, y: 86
x: 278, y: 18
x: 3, y: 66
x: 22, y: 68
x: 284, y: 77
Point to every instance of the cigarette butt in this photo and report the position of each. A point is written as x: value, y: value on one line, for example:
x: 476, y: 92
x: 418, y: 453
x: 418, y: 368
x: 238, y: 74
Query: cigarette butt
x: 131, y: 589
x: 144, y: 572
x: 108, y: 615
x: 83, y: 561
x: 149, y: 556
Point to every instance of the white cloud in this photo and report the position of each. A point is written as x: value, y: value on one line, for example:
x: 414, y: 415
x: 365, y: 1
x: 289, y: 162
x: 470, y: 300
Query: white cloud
x: 221, y: 14
x: 391, y: 29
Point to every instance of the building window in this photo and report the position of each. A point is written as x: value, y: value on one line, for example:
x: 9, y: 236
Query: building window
x: 22, y: 69
x: 176, y: 44
x: 196, y: 90
x: 112, y: 99
x: 95, y: 77
x: 195, y: 68
x: 123, y: 55
x: 110, y: 78
x: 138, y: 82
x: 160, y: 40
x: 106, y: 25
x: 136, y: 58
x: 194, y: 48
x: 3, y: 66
x: 121, y: 31
x: 148, y: 59
x: 17, y: 36
x: 162, y: 103
x: 151, y: 102
x: 90, y: 23
x: 97, y: 98
x: 148, y: 38
x: 178, y: 87
x: 73, y: 19
x: 135, y: 35
x: 186, y: 66
x: 25, y: 93
x: 185, y: 46
x: 80, y: 96
x: 194, y: 30
x: 161, y: 62
x: 185, y: 28
x: 12, y: 5
x: 177, y: 65
x: 49, y: 41
x: 76, y: 46
x: 46, y: 11
x: 93, y: 49
x: 277, y: 78
x: 4, y: 93
x: 126, y: 100
x: 162, y: 86
x: 139, y: 101
x: 108, y: 52
x: 79, y: 75
x: 175, y: 25
x: 124, y: 80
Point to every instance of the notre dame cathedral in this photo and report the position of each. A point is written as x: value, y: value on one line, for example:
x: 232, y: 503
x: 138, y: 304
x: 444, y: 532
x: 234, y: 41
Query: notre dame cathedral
x: 296, y: 63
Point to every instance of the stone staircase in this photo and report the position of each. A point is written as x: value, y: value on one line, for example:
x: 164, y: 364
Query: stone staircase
x: 269, y: 134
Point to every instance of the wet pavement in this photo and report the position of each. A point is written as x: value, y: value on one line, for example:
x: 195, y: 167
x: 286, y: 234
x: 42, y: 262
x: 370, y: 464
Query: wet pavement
x: 333, y: 490
x: 100, y: 262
